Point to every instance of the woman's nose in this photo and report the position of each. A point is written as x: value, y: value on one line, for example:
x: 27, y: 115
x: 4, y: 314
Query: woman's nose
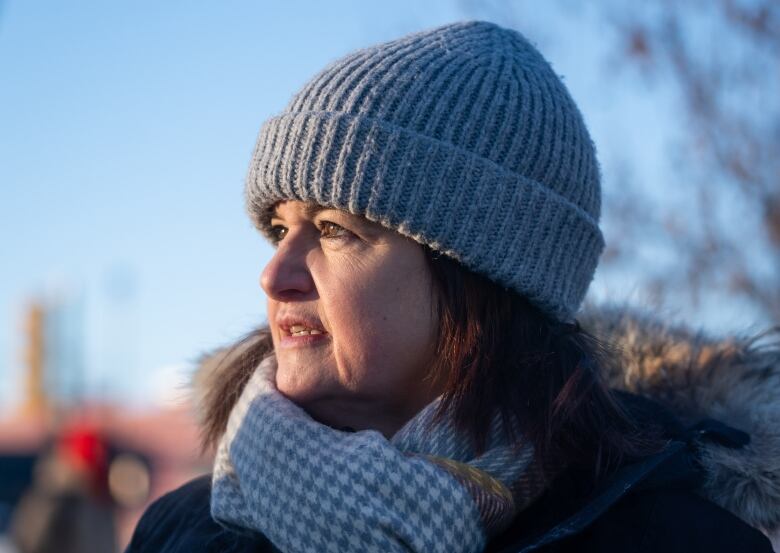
x: 287, y: 276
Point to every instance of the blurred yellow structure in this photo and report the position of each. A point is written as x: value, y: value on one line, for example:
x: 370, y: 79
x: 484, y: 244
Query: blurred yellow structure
x: 35, y: 403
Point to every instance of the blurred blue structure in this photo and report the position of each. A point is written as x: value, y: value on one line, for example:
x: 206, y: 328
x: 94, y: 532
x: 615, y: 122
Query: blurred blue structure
x: 16, y: 475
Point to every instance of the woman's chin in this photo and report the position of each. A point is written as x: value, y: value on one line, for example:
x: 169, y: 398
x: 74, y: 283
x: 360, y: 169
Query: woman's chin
x: 307, y: 393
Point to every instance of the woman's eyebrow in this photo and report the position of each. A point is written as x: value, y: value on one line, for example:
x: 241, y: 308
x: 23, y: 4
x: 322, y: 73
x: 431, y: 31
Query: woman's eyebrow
x: 311, y: 210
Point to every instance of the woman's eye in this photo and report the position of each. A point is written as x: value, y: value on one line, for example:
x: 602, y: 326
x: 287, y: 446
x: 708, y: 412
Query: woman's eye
x: 332, y: 230
x: 277, y: 233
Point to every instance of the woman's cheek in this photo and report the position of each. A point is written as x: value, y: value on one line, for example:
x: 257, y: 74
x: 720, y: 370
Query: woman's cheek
x: 354, y: 356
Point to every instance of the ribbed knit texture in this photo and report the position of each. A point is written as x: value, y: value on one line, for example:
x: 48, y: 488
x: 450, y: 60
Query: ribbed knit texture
x: 461, y: 137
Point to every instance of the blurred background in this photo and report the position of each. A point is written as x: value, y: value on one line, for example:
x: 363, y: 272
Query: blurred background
x: 126, y: 130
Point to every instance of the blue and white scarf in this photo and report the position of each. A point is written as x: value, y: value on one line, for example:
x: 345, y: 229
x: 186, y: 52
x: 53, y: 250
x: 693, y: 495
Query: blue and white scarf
x: 311, y: 488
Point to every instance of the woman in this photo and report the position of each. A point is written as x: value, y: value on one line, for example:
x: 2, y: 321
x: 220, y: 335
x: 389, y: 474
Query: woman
x: 422, y: 384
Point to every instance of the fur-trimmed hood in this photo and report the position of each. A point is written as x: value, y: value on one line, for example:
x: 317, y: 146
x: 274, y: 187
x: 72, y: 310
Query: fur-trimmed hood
x: 733, y: 379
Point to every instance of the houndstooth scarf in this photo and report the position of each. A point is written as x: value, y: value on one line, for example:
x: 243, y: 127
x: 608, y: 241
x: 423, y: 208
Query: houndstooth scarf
x: 310, y: 488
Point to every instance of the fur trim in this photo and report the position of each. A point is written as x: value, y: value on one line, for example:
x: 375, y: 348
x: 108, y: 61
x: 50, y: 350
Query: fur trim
x: 219, y: 379
x: 735, y: 380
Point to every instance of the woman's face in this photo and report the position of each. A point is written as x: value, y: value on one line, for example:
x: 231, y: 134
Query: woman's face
x: 365, y: 292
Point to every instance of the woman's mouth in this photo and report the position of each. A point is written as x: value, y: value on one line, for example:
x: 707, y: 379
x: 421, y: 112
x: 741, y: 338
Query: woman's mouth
x: 298, y: 335
x: 300, y: 330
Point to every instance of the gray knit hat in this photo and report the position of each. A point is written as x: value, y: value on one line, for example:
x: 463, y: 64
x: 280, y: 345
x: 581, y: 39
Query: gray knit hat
x: 461, y: 137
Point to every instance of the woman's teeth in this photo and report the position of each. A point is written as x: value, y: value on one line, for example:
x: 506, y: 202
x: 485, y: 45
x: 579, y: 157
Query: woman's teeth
x: 300, y: 330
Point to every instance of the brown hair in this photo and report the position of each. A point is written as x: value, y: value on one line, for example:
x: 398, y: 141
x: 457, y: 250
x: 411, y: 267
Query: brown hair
x: 496, y: 353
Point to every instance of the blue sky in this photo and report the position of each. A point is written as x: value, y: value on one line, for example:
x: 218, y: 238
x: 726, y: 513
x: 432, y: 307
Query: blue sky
x: 125, y: 133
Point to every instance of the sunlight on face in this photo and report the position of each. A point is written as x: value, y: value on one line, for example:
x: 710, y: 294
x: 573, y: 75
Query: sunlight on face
x: 350, y: 308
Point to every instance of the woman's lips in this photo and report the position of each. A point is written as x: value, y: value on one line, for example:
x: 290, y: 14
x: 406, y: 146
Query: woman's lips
x: 289, y: 341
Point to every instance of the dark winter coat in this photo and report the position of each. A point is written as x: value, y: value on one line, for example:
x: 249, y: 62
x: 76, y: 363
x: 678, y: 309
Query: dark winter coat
x: 709, y: 491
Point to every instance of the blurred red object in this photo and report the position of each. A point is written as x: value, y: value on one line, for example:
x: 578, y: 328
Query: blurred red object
x: 83, y: 448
